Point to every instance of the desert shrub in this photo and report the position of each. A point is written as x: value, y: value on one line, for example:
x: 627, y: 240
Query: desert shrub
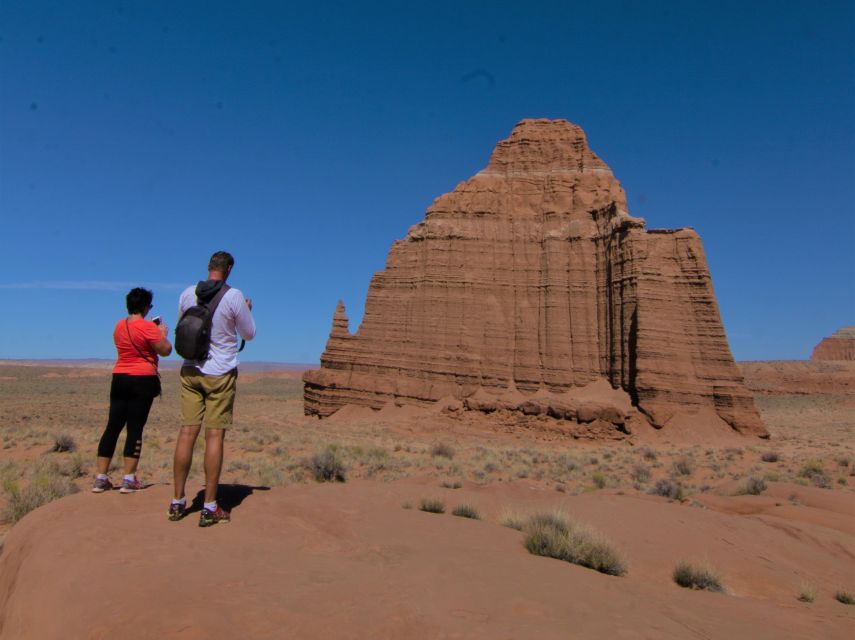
x: 813, y: 471
x: 844, y: 461
x: 641, y: 473
x: 696, y: 576
x: 845, y: 597
x: 599, y: 479
x: 807, y: 593
x: 512, y: 521
x: 491, y: 467
x: 668, y: 488
x: 407, y: 505
x: 684, y: 466
x: 649, y: 454
x: 770, y: 456
x: 46, y: 485
x: 441, y: 450
x: 432, y: 505
x: 753, y: 486
x: 450, y: 484
x: 327, y: 465
x: 64, y: 443
x: 466, y: 511
x: 552, y: 536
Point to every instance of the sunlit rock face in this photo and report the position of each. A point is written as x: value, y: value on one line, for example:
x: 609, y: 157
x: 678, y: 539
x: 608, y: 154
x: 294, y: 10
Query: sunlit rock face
x: 531, y: 280
x: 840, y: 346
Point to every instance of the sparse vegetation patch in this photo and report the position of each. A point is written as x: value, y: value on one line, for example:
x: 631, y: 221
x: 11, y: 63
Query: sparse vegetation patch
x: 696, y: 576
x: 466, y: 511
x: 327, y: 465
x: 844, y: 597
x: 553, y: 536
x: 432, y: 505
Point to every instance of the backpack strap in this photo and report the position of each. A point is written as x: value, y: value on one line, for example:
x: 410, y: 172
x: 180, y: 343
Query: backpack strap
x: 212, y: 305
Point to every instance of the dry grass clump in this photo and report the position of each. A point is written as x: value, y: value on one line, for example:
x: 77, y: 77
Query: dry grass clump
x: 466, y: 511
x: 450, y: 484
x: 599, y: 479
x: 641, y: 473
x: 552, y: 536
x: 441, y: 450
x: 813, y: 470
x: 668, y: 488
x: 684, y: 466
x: 327, y: 465
x: 64, y: 443
x: 511, y: 520
x: 807, y: 593
x: 432, y: 505
x: 844, y: 597
x: 47, y: 484
x: 770, y: 456
x: 752, y: 486
x: 697, y: 576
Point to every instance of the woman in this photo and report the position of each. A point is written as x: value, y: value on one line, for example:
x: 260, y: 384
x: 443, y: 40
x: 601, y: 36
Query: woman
x: 135, y: 385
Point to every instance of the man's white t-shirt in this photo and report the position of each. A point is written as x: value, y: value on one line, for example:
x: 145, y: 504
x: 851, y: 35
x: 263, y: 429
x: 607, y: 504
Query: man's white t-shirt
x: 231, y: 318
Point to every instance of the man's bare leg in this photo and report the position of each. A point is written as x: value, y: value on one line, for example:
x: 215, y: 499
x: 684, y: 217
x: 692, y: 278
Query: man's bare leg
x: 184, y: 457
x: 213, y: 461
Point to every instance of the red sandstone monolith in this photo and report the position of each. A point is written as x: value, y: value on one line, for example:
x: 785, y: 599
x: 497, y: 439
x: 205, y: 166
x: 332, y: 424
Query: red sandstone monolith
x: 527, y: 286
x: 840, y: 346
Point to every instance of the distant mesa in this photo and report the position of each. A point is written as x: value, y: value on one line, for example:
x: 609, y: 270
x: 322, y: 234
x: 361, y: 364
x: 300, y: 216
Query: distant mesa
x: 840, y: 346
x: 530, y: 289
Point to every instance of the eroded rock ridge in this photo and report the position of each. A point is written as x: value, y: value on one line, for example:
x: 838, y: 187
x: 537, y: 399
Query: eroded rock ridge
x: 839, y: 346
x: 530, y: 283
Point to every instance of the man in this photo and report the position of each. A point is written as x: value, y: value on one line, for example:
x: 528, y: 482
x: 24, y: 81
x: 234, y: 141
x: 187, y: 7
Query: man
x: 208, y: 386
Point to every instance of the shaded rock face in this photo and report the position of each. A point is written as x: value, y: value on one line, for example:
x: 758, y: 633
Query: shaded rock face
x: 840, y: 346
x: 532, y: 277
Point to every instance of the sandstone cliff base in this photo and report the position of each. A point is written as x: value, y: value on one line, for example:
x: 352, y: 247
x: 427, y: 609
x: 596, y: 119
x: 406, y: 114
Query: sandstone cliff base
x: 347, y: 561
x: 527, y: 284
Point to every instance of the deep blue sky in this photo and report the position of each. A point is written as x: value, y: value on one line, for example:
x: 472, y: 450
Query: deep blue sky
x: 138, y: 137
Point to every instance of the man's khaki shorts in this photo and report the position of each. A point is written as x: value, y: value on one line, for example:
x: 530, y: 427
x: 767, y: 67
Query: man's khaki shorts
x: 208, y: 398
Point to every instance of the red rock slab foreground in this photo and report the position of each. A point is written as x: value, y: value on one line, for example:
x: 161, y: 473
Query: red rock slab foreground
x: 347, y: 561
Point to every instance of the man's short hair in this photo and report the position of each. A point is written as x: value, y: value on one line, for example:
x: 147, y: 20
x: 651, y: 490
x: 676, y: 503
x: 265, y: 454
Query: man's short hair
x: 138, y: 300
x: 221, y: 261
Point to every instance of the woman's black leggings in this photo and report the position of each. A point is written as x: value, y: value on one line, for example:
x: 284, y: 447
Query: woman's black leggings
x: 130, y: 401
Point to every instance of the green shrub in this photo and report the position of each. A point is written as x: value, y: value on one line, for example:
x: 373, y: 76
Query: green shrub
x: 845, y: 597
x: 466, y: 511
x: 327, y: 465
x: 432, y: 505
x: 694, y: 576
x: 552, y: 536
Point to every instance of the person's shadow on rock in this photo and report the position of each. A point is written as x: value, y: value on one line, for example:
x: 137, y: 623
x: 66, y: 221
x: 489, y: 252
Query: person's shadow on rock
x: 229, y: 496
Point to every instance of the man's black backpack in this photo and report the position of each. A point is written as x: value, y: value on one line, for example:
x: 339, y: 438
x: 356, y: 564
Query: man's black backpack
x: 193, y: 331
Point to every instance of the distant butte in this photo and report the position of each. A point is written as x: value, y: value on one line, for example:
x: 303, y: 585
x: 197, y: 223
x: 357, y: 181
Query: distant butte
x: 840, y: 346
x: 530, y: 289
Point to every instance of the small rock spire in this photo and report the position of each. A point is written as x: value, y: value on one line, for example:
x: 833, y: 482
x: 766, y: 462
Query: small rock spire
x: 340, y: 322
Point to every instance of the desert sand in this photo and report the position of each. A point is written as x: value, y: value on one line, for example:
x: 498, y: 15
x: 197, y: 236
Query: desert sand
x: 358, y: 559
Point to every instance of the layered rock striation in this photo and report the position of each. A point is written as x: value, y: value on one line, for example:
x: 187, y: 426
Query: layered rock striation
x: 839, y: 346
x: 531, y: 281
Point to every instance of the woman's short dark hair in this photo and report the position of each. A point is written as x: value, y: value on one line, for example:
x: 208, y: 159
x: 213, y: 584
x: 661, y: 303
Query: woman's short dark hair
x: 139, y: 300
